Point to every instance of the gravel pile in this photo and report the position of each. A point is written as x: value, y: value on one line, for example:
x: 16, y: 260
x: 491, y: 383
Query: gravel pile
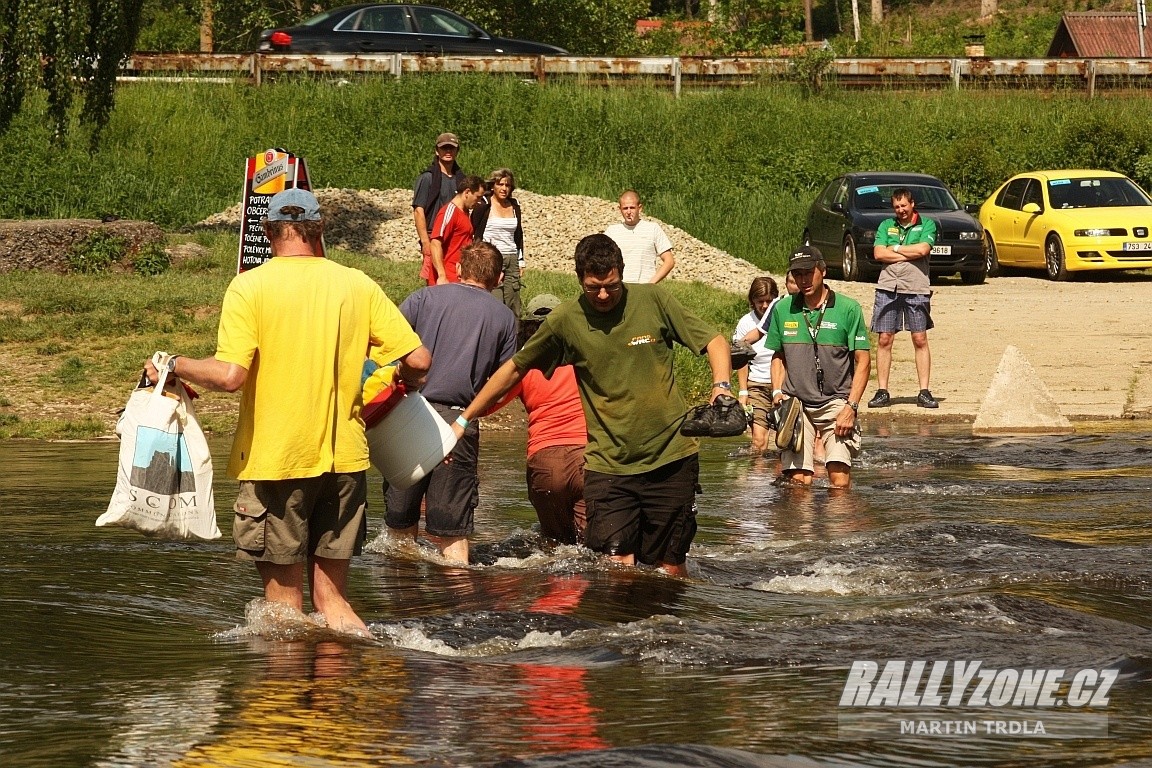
x: 379, y: 222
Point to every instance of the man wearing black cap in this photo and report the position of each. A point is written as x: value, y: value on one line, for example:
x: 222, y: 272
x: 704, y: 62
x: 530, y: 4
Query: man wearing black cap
x: 293, y: 336
x: 434, y: 188
x: 823, y: 359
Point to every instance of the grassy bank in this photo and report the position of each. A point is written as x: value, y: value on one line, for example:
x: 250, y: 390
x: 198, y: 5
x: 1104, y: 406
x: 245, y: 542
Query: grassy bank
x: 736, y: 168
x: 72, y: 346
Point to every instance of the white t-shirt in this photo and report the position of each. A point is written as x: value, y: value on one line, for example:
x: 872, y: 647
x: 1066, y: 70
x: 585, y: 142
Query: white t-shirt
x: 760, y: 369
x: 641, y: 245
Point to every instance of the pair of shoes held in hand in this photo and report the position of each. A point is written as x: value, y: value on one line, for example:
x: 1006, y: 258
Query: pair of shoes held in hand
x: 723, y: 418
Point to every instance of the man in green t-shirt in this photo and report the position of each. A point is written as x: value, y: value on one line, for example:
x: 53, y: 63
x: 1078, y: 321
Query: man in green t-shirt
x: 903, y: 294
x: 821, y: 358
x: 640, y: 472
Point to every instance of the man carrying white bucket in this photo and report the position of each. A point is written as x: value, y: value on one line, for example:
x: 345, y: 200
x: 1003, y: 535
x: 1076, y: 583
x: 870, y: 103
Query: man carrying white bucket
x: 470, y: 334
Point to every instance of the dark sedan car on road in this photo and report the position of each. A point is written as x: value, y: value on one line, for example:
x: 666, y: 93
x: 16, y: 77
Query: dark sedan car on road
x: 842, y: 223
x: 394, y: 28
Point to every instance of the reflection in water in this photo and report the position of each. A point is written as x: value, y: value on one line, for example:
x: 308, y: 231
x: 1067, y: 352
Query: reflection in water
x: 123, y: 651
x: 325, y: 704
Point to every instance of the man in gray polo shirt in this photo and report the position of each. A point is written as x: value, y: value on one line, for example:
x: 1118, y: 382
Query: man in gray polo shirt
x: 470, y: 333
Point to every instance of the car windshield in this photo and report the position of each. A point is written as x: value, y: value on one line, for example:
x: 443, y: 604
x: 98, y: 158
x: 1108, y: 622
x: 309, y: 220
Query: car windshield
x: 1095, y: 192
x: 878, y: 197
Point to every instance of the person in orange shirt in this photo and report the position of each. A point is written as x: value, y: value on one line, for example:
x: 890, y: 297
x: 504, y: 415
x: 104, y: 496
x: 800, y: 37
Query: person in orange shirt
x: 557, y: 435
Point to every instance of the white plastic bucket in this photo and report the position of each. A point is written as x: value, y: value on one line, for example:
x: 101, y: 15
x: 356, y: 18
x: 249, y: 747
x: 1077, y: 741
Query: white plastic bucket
x: 410, y: 441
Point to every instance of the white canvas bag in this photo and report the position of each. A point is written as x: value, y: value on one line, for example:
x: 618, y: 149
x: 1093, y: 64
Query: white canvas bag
x: 164, y: 478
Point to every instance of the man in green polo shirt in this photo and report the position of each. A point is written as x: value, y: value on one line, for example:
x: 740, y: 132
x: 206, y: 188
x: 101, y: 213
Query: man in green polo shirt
x: 822, y: 358
x: 903, y: 294
x: 641, y: 474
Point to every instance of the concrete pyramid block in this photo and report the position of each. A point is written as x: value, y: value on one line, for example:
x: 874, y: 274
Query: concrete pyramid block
x: 1017, y: 402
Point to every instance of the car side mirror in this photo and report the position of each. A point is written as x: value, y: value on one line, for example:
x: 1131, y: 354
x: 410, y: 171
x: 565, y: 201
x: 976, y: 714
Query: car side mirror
x: 838, y: 207
x: 972, y: 208
x: 1031, y: 208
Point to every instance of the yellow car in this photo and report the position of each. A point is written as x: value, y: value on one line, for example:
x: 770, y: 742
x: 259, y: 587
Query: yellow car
x: 1067, y: 221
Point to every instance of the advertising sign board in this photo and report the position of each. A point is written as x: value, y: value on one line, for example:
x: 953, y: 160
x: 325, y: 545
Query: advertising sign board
x: 270, y: 172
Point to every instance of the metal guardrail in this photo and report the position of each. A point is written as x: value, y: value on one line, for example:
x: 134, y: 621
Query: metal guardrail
x: 1090, y: 74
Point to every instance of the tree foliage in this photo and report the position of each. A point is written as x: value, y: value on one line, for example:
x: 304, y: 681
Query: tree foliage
x: 750, y: 26
x: 584, y: 27
x: 67, y: 49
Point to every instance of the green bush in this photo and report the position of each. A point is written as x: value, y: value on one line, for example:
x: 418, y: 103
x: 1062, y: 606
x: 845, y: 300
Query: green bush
x: 151, y: 260
x: 811, y: 67
x: 168, y: 28
x: 97, y: 252
x: 1098, y: 142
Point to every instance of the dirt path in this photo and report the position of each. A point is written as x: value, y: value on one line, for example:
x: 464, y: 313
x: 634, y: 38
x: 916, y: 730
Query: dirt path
x: 1090, y: 343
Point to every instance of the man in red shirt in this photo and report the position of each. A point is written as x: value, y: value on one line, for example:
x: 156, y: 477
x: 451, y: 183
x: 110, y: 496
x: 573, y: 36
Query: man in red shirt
x: 451, y: 231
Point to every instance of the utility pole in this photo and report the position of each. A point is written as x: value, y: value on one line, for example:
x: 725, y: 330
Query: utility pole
x: 206, y: 26
x: 1141, y: 23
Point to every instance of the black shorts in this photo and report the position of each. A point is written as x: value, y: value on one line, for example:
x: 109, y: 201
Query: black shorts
x: 450, y: 492
x: 651, y: 515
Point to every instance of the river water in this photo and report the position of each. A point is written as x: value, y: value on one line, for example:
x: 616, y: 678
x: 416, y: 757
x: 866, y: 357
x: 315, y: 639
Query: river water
x: 1030, y: 556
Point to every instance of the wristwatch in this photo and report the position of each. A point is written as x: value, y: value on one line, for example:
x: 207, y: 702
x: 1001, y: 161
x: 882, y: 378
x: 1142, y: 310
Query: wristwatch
x: 854, y: 405
x: 723, y: 385
x: 172, y: 363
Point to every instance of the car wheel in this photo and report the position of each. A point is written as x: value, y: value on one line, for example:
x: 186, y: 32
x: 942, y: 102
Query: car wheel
x: 1054, y: 258
x: 850, y: 265
x: 973, y: 278
x: 991, y: 260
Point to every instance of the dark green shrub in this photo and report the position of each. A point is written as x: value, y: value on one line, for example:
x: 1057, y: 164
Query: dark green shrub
x: 151, y: 260
x: 97, y: 252
x: 972, y: 167
x: 811, y: 67
x: 1100, y: 142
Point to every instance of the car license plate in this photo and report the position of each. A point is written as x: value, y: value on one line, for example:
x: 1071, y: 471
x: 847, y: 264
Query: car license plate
x: 1146, y: 246
x: 941, y: 250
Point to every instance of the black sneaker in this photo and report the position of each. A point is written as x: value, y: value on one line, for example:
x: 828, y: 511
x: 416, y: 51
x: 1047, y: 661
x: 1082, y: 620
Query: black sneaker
x: 925, y: 400
x: 880, y: 399
x: 724, y: 418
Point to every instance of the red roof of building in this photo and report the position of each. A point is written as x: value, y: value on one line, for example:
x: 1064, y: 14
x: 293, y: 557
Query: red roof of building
x: 1099, y: 35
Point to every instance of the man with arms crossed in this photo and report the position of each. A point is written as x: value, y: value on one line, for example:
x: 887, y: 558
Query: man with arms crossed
x: 640, y: 474
x: 822, y: 358
x: 647, y: 250
x: 434, y: 188
x: 470, y: 333
x: 294, y: 333
x: 903, y: 294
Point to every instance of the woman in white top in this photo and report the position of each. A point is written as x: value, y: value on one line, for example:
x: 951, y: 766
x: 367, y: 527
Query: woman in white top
x: 496, y: 220
x: 756, y: 377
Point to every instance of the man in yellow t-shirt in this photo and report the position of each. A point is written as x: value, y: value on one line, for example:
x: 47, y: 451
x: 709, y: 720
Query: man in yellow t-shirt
x: 293, y: 335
